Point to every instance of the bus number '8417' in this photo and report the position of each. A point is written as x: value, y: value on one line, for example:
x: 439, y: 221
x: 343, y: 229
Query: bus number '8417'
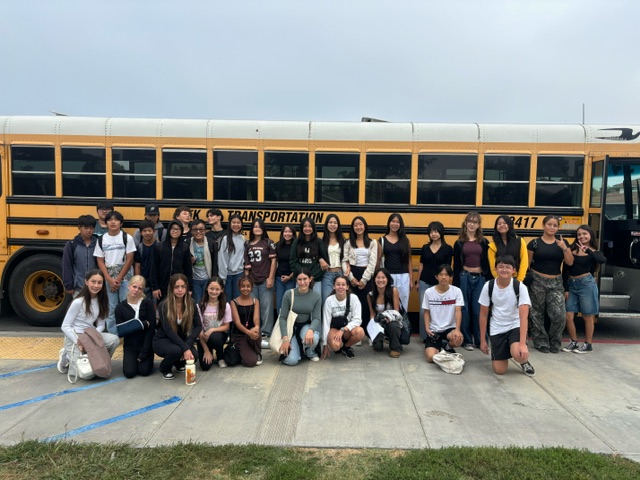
x: 524, y: 222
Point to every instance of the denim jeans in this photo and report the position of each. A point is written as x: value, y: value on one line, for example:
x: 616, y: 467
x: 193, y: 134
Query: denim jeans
x: 327, y: 283
x: 114, y: 299
x: 471, y: 286
x: 282, y: 287
x: 198, y: 289
x: 422, y: 287
x: 265, y: 296
x: 231, y: 288
x: 401, y: 281
x: 294, y: 356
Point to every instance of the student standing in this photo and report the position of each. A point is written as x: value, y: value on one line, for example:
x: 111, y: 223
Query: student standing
x: 334, y: 243
x: 101, y: 223
x: 180, y: 324
x: 470, y: 268
x: 582, y: 290
x: 77, y: 257
x: 152, y: 214
x: 260, y: 266
x: 145, y: 260
x: 395, y: 256
x: 89, y: 309
x: 231, y: 256
x: 173, y: 256
x: 182, y: 214
x: 204, y: 254
x: 509, y: 318
x: 360, y: 258
x: 284, y: 274
x: 433, y: 254
x: 216, y: 231
x: 308, y: 251
x: 506, y: 242
x: 137, y: 347
x: 546, y: 256
x: 114, y: 254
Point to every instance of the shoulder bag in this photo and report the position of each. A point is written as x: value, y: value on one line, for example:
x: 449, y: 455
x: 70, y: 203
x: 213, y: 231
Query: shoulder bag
x: 275, y: 342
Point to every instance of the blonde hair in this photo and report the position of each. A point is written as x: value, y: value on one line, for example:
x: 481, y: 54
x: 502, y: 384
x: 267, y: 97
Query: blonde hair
x: 139, y: 279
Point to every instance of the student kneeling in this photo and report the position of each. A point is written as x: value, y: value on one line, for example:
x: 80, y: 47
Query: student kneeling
x: 509, y: 318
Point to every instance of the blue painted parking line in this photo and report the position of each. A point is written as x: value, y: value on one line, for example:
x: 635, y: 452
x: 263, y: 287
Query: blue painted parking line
x: 28, y: 370
x: 57, y: 394
x: 108, y: 421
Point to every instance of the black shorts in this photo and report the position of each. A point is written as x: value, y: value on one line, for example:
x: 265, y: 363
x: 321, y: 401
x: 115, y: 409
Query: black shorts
x: 439, y: 340
x: 501, y: 344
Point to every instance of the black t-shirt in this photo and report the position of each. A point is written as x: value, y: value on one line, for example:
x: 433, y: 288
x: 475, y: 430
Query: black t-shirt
x: 393, y: 256
x: 547, y: 257
x: 431, y: 261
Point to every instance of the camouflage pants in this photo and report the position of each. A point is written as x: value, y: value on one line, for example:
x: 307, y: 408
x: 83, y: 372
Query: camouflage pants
x: 547, y: 294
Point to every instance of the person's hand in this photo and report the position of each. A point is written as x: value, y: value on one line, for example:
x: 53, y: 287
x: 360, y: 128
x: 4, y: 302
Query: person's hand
x: 484, y: 348
x: 157, y: 294
x: 70, y: 291
x: 337, y: 337
x: 285, y: 347
x: 566, y: 296
x: 456, y: 336
x: 323, y: 265
x: 523, y: 351
x: 254, y: 333
x: 80, y: 346
x: 270, y: 282
x: 187, y: 355
x: 326, y: 352
x: 208, y: 358
x: 308, y: 337
x: 561, y: 244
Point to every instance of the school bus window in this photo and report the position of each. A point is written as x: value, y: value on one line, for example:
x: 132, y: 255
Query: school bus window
x: 33, y: 170
x: 447, y: 178
x: 83, y: 172
x: 388, y: 178
x: 596, y: 185
x: 235, y: 175
x: 337, y: 176
x: 184, y: 174
x: 559, y: 181
x: 506, y: 180
x: 134, y: 173
x: 286, y: 176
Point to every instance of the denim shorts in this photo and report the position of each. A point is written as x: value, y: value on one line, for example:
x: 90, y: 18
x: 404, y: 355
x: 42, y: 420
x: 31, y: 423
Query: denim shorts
x: 583, y: 295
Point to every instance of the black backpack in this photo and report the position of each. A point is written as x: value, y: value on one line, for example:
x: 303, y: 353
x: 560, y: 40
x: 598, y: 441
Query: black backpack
x: 516, y: 290
x: 124, y: 240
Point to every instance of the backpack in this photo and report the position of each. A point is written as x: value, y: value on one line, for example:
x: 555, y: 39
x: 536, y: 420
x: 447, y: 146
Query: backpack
x: 124, y: 240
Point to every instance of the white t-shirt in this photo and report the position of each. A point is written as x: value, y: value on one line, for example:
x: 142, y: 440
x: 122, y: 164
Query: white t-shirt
x: 442, y: 307
x: 113, y: 249
x: 504, y: 313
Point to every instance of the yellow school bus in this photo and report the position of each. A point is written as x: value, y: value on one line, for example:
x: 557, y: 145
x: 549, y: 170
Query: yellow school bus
x: 54, y: 169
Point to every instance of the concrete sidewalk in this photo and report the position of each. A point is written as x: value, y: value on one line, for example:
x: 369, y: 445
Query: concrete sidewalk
x: 587, y: 402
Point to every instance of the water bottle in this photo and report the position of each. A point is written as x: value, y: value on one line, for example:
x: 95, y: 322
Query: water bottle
x: 190, y: 372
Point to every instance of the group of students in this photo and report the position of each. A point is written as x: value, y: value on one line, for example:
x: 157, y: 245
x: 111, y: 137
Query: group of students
x: 208, y: 294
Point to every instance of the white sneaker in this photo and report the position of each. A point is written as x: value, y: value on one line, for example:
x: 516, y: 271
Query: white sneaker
x: 315, y: 359
x: 222, y: 364
x: 63, y: 361
x: 259, y: 362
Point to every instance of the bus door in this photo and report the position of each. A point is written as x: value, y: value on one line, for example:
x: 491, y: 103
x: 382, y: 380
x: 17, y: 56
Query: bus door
x: 620, y: 234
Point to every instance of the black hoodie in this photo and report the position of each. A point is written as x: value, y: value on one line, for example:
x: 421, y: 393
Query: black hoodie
x: 171, y: 260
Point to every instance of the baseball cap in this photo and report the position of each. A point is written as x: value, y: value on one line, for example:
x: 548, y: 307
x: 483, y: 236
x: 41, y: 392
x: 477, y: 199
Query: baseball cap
x: 151, y: 210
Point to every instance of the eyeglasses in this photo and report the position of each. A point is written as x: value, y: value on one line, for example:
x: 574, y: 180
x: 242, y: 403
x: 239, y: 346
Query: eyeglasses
x: 197, y: 229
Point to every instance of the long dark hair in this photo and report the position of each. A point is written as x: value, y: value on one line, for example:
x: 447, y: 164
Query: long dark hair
x: 303, y: 243
x: 222, y: 298
x: 592, y: 240
x: 326, y: 237
x: 464, y: 237
x: 170, y: 305
x: 365, y: 235
x: 103, y: 298
x: 282, y: 242
x: 262, y: 225
x: 231, y: 247
x: 513, y: 244
x: 403, y: 241
x: 388, y: 290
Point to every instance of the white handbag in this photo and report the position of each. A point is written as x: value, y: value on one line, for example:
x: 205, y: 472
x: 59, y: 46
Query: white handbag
x: 449, y: 362
x: 81, y: 367
x: 275, y: 342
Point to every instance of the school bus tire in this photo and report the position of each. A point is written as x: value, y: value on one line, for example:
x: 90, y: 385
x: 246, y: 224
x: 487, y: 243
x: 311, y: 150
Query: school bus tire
x: 36, y: 291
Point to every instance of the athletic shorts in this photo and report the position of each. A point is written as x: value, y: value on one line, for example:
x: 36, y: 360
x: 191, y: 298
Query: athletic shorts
x: 501, y: 344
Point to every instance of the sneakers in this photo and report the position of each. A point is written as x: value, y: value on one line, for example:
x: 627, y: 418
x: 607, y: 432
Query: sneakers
x: 543, y: 349
x: 168, y: 376
x: 222, y: 363
x: 554, y: 349
x: 528, y: 369
x: 348, y: 352
x: 63, y: 361
x: 315, y: 359
x: 359, y: 344
x: 449, y: 349
x: 466, y: 346
x: 259, y: 362
x: 394, y: 354
x: 584, y: 348
x: 573, y: 345
x: 181, y: 369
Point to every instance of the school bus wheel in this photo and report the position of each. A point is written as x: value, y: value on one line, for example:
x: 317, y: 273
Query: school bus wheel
x: 36, y: 291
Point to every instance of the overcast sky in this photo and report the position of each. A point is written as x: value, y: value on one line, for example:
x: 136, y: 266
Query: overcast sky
x: 459, y: 61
